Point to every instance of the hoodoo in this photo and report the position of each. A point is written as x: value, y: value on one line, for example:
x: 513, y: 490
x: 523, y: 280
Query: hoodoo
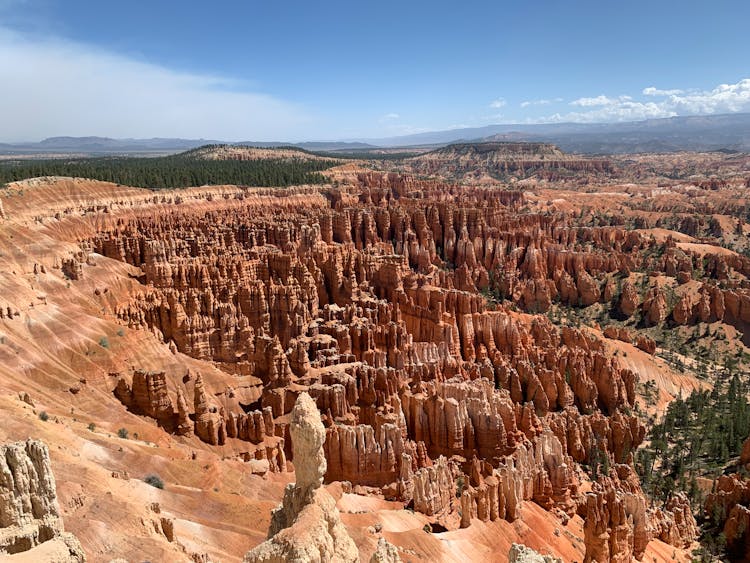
x: 31, y: 527
x: 306, y: 527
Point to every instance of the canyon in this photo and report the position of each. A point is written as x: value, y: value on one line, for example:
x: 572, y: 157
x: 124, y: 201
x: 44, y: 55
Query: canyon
x: 437, y: 367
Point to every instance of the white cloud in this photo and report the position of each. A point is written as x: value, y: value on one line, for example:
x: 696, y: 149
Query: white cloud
x: 543, y: 102
x: 498, y: 103
x: 651, y: 91
x: 725, y: 98
x: 58, y: 87
x: 600, y: 100
x: 589, y: 102
x: 390, y: 116
x: 619, y: 111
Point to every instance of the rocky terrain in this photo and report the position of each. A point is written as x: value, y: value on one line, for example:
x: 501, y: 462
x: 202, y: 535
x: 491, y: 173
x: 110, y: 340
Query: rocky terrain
x: 31, y: 527
x: 487, y: 361
x: 728, y: 505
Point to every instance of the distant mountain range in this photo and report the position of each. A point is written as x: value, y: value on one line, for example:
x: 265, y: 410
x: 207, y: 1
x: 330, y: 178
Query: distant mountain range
x: 694, y: 133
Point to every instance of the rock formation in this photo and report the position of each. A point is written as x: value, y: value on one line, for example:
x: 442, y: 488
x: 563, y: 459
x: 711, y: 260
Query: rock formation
x: 467, y: 344
x: 306, y: 527
x: 148, y: 395
x: 30, y: 521
x: 618, y: 525
x: 520, y: 553
x: 383, y: 300
x: 728, y: 508
x: 385, y: 553
x: 209, y: 423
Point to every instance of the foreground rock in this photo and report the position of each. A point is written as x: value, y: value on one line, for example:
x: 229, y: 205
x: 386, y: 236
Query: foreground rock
x: 32, y: 529
x: 385, y: 553
x: 306, y: 527
x: 521, y: 554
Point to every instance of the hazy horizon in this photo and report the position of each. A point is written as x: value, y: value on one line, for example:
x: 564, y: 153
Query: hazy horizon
x: 355, y: 140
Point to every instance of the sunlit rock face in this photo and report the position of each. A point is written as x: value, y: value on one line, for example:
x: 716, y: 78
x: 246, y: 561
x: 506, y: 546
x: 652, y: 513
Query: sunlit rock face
x: 30, y: 519
x: 306, y: 527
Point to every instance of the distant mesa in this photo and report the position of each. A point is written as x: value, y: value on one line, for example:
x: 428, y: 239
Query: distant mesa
x: 503, y: 161
x: 242, y: 152
x: 510, y: 149
x: 102, y: 146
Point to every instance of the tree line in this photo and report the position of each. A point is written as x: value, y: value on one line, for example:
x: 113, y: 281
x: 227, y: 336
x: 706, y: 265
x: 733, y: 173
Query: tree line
x: 175, y: 171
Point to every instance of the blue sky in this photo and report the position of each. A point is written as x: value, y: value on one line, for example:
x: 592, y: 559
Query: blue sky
x: 249, y: 70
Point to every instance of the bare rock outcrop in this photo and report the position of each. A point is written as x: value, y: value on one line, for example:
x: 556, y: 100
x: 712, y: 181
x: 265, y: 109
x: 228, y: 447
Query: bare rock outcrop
x: 520, y: 553
x: 729, y: 506
x: 433, y: 488
x: 640, y: 341
x: 655, y: 309
x: 306, y: 527
x: 147, y: 395
x: 385, y: 553
x: 30, y: 521
x: 674, y: 523
x: 629, y: 299
x: 209, y: 423
x: 618, y: 525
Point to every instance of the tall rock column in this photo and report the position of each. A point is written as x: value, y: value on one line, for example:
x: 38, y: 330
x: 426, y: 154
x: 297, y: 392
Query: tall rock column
x: 306, y: 527
x: 29, y: 513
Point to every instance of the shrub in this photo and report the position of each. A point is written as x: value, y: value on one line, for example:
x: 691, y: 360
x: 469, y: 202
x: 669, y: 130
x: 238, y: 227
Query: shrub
x: 123, y: 433
x: 104, y: 342
x: 43, y: 416
x: 92, y: 426
x: 154, y: 480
